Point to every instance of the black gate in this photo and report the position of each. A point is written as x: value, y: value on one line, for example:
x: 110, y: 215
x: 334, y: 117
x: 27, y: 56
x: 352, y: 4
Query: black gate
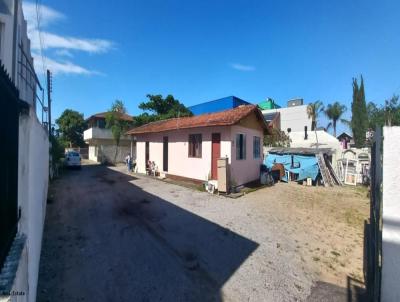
x: 373, y: 229
x: 9, y: 102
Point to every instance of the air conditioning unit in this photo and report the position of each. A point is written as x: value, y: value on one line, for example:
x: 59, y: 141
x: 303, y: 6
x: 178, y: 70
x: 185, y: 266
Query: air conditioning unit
x: 295, y: 102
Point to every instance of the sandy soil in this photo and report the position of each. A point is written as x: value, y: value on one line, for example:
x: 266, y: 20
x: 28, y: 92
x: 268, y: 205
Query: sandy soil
x: 112, y: 237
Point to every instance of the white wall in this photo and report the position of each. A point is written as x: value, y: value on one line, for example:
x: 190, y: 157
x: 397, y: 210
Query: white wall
x: 391, y: 216
x: 247, y: 170
x: 33, y: 160
x: 294, y: 117
x: 33, y: 171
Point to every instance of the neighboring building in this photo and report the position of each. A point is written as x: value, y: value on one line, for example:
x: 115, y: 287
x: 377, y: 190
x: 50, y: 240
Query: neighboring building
x: 26, y: 169
x: 218, y: 105
x: 190, y: 146
x: 292, y: 118
x: 346, y: 140
x: 268, y: 104
x: 102, y: 146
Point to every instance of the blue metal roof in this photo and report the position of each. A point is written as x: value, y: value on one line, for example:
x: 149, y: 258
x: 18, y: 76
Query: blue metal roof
x: 218, y: 105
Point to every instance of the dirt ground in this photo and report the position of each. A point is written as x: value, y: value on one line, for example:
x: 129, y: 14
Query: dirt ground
x: 113, y: 237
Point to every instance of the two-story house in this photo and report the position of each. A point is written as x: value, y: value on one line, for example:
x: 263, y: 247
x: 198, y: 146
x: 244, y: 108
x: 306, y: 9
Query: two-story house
x: 102, y: 145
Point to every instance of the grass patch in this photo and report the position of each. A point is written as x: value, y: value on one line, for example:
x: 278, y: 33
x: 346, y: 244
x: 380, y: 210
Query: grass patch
x: 353, y: 218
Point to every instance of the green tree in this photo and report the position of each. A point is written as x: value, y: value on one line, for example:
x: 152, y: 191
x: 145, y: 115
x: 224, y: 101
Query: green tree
x: 116, y: 124
x: 70, y: 127
x: 313, y: 111
x: 392, y: 111
x: 118, y: 106
x: 160, y: 108
x: 334, y: 113
x: 359, y: 118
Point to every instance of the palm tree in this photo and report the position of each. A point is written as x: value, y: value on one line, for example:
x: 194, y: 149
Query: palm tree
x: 313, y: 110
x: 334, y: 113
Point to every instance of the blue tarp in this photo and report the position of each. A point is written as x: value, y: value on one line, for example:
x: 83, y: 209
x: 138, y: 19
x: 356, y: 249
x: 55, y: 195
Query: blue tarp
x: 306, y: 166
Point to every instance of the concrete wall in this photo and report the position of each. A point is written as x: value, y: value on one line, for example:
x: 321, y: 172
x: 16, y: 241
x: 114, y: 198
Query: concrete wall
x: 103, y: 150
x: 294, y: 118
x: 32, y: 193
x: 390, y: 290
x: 33, y: 171
x: 33, y: 157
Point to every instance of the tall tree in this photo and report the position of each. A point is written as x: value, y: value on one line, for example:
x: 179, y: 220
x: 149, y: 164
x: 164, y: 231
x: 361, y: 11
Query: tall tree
x: 160, y: 108
x: 116, y: 124
x: 334, y: 113
x: 313, y: 111
x: 118, y: 106
x: 71, y: 126
x: 359, y: 118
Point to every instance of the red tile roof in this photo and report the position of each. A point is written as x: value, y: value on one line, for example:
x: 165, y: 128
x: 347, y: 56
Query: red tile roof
x: 122, y: 116
x: 224, y: 118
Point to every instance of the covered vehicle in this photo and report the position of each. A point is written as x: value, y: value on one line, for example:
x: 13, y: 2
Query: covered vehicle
x: 73, y: 159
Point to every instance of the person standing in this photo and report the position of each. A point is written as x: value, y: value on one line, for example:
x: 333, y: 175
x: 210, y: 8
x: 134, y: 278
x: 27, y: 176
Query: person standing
x: 128, y: 162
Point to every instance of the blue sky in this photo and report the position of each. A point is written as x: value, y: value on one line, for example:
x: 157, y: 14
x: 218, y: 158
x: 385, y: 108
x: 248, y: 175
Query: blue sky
x: 203, y: 50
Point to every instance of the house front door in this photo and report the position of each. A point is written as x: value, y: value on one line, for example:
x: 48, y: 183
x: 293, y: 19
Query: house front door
x: 165, y: 153
x: 215, y: 154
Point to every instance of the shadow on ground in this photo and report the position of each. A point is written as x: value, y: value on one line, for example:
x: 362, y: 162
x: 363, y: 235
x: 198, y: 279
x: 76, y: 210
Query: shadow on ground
x: 106, y: 239
x: 326, y: 292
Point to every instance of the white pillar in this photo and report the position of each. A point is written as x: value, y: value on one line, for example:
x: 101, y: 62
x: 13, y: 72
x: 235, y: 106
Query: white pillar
x: 390, y: 290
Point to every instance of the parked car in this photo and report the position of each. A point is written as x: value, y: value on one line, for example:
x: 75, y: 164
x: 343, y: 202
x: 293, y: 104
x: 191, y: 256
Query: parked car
x: 73, y: 159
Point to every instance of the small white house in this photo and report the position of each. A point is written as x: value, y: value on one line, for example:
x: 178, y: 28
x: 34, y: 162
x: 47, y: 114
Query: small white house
x: 102, y: 146
x: 189, y: 147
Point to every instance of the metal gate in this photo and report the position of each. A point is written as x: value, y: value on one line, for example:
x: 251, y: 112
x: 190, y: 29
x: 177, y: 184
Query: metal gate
x: 9, y: 102
x: 373, y: 229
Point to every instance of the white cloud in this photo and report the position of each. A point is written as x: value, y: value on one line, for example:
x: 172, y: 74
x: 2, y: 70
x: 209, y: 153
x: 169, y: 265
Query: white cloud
x: 64, y: 53
x: 242, y: 67
x: 62, y: 67
x: 86, y: 45
x: 63, y: 45
x: 46, y: 14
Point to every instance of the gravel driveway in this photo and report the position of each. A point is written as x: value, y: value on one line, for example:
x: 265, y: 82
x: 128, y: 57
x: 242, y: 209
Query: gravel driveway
x: 113, y: 237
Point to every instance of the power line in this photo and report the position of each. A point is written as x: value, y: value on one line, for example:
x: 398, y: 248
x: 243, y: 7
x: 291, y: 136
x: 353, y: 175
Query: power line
x: 38, y: 19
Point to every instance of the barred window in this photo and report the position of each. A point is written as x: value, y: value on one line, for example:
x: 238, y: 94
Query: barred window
x: 256, y: 147
x: 195, y: 141
x: 240, y: 146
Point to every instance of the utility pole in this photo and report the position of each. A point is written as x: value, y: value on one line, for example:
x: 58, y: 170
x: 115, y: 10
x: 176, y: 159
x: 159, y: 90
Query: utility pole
x: 49, y: 91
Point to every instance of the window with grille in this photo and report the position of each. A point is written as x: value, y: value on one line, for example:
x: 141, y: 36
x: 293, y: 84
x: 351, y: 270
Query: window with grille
x: 256, y: 147
x: 195, y: 142
x: 240, y: 146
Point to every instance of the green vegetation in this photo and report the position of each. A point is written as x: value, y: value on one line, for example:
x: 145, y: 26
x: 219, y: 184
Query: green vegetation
x: 359, y: 119
x: 313, y: 111
x: 70, y: 128
x: 117, y: 125
x: 334, y: 113
x: 160, y: 109
x: 387, y: 115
